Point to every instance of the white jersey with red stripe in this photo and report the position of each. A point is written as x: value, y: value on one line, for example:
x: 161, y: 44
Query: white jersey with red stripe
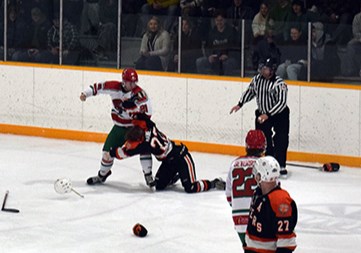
x: 138, y: 101
x: 240, y: 185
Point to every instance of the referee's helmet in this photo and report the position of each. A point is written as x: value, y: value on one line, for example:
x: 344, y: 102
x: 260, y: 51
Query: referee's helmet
x: 271, y: 63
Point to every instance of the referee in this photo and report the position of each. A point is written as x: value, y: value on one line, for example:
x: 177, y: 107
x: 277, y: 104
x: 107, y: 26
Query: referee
x: 273, y: 114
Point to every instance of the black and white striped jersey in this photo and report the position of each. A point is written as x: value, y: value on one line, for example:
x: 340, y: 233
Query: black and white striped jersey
x: 271, y: 95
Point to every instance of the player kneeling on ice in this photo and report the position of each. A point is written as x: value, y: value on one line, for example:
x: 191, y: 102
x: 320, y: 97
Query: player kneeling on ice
x: 177, y: 162
x: 273, y: 213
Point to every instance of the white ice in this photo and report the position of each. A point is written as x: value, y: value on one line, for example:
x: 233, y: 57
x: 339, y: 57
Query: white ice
x: 329, y: 205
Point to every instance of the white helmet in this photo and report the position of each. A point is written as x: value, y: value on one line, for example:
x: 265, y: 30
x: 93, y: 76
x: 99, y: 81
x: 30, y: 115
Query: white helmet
x: 268, y: 168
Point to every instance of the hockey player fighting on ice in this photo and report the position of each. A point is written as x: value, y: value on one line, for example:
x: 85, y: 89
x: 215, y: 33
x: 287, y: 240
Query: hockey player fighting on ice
x: 240, y: 182
x: 176, y: 161
x: 273, y: 213
x: 129, y: 100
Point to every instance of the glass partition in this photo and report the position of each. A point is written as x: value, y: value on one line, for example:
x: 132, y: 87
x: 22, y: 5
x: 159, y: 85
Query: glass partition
x: 196, y: 44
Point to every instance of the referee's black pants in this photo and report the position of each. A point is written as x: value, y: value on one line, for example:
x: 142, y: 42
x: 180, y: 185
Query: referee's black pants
x: 276, y: 130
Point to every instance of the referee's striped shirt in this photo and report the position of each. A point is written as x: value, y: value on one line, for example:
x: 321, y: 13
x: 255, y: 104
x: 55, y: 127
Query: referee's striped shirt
x: 271, y: 95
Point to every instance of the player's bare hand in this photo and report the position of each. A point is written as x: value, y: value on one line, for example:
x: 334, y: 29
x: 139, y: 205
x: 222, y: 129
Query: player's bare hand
x: 82, y: 97
x: 235, y: 109
x: 262, y: 118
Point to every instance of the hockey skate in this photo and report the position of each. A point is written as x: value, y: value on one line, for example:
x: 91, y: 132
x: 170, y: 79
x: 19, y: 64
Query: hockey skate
x: 98, y: 179
x: 219, y: 184
x: 283, y: 173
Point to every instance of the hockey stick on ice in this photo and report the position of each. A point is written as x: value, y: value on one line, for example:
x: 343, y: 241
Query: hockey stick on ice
x: 4, y: 209
x: 328, y: 167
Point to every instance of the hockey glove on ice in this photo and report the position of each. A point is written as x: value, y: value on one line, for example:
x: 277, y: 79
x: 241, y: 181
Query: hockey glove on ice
x: 149, y: 180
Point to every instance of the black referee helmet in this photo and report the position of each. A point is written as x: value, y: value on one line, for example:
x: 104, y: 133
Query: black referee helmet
x: 271, y: 63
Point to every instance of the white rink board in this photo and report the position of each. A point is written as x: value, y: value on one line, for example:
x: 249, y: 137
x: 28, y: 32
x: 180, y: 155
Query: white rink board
x: 323, y: 120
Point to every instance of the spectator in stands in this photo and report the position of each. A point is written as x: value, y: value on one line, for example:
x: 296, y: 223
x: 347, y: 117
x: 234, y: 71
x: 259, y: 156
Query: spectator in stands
x: 191, y: 8
x: 337, y: 16
x: 26, y: 6
x: 237, y: 12
x: 293, y: 57
x: 264, y: 49
x: 107, y: 35
x: 130, y: 16
x: 72, y: 11
x: 15, y: 33
x: 297, y: 17
x: 155, y: 47
x: 90, y: 17
x: 167, y: 8
x: 277, y: 19
x: 324, y: 59
x: 221, y: 40
x: 353, y: 51
x: 190, y: 48
x: 35, y: 38
x: 259, y: 22
x: 70, y: 46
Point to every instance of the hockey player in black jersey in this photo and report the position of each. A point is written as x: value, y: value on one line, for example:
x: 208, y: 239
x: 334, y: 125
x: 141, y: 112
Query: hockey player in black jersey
x: 176, y: 161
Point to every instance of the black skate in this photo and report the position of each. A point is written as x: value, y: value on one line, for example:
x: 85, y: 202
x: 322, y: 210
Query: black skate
x: 98, y: 179
x: 219, y: 184
x: 283, y: 173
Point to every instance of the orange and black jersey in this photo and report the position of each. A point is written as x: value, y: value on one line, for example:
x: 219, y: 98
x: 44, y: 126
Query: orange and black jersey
x: 155, y: 142
x: 271, y: 223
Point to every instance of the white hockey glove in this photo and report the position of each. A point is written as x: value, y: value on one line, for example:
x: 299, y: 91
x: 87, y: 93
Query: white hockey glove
x: 149, y: 180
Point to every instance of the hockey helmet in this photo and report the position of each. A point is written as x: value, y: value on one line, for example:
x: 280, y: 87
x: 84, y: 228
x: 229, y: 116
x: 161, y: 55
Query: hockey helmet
x: 268, y: 168
x: 270, y: 62
x: 256, y: 139
x: 129, y: 75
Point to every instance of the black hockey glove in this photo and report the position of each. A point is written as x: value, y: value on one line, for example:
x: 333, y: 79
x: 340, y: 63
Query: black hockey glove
x: 128, y: 104
x: 149, y: 180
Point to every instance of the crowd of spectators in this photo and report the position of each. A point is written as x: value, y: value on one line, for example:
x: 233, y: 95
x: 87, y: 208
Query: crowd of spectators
x: 210, y: 35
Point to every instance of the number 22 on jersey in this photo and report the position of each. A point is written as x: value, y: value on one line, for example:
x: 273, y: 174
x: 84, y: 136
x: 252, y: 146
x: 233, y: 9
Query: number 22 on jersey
x: 243, y: 182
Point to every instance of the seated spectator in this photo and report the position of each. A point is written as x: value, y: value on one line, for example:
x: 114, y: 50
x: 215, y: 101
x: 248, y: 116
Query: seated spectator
x: 191, y: 45
x: 130, y: 16
x: 155, y: 47
x: 352, y: 61
x: 264, y: 49
x: 167, y: 8
x: 90, y: 17
x: 337, y: 16
x: 277, y: 20
x: 107, y: 34
x: 259, y: 22
x: 297, y: 17
x: 293, y: 57
x: 191, y: 8
x: 237, y: 12
x: 15, y: 33
x: 325, y: 63
x: 35, y: 38
x: 72, y: 11
x: 221, y: 40
x: 70, y: 46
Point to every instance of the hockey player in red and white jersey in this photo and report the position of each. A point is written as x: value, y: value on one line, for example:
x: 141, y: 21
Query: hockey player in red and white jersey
x: 129, y: 101
x: 240, y: 182
x: 273, y: 214
x: 176, y: 161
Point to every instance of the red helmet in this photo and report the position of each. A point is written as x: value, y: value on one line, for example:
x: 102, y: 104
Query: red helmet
x: 129, y: 75
x: 256, y: 139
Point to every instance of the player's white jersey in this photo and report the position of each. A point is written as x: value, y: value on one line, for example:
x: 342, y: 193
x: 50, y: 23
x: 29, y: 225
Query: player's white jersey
x: 125, y: 104
x: 240, y: 186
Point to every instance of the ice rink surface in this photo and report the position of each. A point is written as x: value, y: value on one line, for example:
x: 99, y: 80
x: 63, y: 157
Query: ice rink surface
x: 329, y: 205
